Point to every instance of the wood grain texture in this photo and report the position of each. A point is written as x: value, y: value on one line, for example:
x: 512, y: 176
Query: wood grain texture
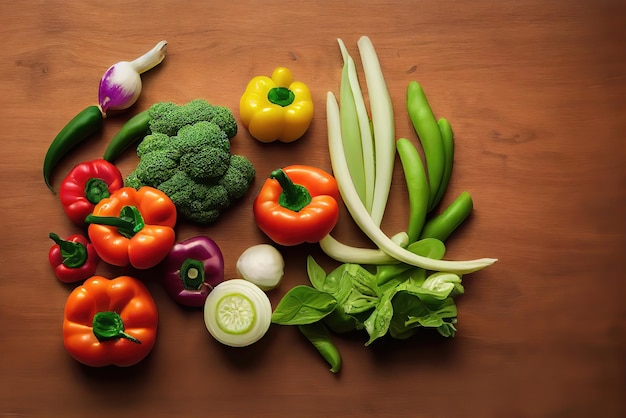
x: 535, y: 92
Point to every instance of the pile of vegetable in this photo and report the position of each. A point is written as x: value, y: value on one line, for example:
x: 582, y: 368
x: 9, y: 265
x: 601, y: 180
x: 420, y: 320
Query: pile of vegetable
x: 403, y: 284
x: 185, y: 171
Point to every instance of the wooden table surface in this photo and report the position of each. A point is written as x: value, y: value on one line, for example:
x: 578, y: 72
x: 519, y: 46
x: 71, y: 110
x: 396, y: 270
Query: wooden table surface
x: 535, y: 91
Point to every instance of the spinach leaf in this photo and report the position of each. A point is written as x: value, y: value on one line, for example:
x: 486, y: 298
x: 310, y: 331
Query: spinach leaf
x: 357, y: 302
x: 303, y: 305
x: 316, y: 273
x: 447, y: 329
x: 433, y: 318
x: 340, y: 322
x: 329, y: 283
x: 377, y: 324
x: 362, y: 280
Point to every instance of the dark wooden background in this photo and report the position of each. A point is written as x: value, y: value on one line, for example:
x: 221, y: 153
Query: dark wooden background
x: 535, y: 92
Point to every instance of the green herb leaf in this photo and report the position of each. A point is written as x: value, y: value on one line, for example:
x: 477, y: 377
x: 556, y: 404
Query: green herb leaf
x: 303, y: 305
x: 362, y: 280
x: 359, y: 303
x: 447, y: 329
x: 434, y: 318
x: 317, y: 275
x: 377, y: 324
x: 340, y: 322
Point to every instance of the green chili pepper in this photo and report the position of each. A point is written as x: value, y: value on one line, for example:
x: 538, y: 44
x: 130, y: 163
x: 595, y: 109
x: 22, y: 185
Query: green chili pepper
x: 442, y: 225
x: 133, y: 130
x: 83, y: 125
x: 319, y: 336
x: 426, y: 127
x: 417, y: 186
x: 447, y: 140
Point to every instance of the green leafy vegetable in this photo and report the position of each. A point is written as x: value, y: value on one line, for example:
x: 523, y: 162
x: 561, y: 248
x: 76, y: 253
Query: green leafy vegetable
x: 303, y: 305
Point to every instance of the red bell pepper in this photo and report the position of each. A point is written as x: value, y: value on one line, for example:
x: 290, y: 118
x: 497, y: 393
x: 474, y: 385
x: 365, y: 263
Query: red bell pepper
x: 297, y: 204
x: 85, y: 185
x: 192, y: 269
x: 133, y: 227
x: 110, y: 322
x: 73, y: 259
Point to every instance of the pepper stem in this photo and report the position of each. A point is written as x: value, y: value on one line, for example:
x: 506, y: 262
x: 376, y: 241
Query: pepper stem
x: 281, y: 96
x: 108, y: 325
x: 128, y: 223
x: 74, y: 254
x: 294, y: 196
x: 192, y: 274
x: 95, y: 190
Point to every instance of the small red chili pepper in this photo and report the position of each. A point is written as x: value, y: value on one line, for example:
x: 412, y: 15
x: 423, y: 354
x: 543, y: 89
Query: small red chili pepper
x: 85, y: 185
x: 73, y: 259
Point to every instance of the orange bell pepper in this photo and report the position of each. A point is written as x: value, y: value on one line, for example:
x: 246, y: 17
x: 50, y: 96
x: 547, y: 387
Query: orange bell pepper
x: 297, y: 204
x: 133, y: 227
x: 110, y: 322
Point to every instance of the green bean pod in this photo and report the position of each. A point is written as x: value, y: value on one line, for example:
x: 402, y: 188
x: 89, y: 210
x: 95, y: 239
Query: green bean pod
x: 417, y: 186
x: 447, y: 139
x: 82, y: 126
x: 444, y: 224
x: 132, y: 132
x: 319, y: 336
x: 427, y: 129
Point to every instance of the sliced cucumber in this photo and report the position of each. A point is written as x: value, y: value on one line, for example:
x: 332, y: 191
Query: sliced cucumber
x: 237, y: 313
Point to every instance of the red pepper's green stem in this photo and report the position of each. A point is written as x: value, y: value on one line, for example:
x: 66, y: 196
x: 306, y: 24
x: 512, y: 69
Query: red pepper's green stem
x: 96, y: 190
x: 74, y: 253
x: 281, y: 96
x: 109, y: 326
x: 192, y: 274
x: 128, y: 223
x: 294, y: 196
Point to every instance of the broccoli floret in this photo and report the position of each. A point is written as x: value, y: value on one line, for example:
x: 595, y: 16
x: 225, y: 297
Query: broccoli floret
x: 153, y: 142
x: 133, y: 181
x: 205, y: 165
x: 238, y: 177
x: 198, y: 202
x: 224, y: 118
x: 200, y: 135
x: 187, y: 156
x: 157, y: 166
x: 208, y: 201
x: 168, y: 118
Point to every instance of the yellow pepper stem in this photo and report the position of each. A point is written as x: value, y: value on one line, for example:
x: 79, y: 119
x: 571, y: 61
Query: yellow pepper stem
x: 281, y: 96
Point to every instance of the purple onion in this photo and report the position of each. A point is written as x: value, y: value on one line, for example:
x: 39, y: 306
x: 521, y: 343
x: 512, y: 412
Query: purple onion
x: 192, y: 269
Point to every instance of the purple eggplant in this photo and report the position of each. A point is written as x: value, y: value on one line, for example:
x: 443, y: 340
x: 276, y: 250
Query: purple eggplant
x: 192, y: 269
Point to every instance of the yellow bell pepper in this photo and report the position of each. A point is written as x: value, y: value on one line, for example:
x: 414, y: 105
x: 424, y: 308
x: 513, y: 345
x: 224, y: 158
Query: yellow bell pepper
x: 276, y: 108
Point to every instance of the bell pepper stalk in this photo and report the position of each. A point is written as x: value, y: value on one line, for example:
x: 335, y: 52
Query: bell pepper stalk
x: 73, y: 259
x: 276, y: 108
x: 297, y: 204
x: 192, y: 269
x: 110, y: 322
x: 85, y: 185
x: 133, y: 227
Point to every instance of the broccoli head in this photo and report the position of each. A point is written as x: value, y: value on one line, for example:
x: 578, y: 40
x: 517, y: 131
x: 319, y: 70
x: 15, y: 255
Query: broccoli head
x: 187, y: 156
x: 168, y: 118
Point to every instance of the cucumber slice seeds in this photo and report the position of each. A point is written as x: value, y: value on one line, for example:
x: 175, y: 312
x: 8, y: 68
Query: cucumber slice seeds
x: 237, y: 313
